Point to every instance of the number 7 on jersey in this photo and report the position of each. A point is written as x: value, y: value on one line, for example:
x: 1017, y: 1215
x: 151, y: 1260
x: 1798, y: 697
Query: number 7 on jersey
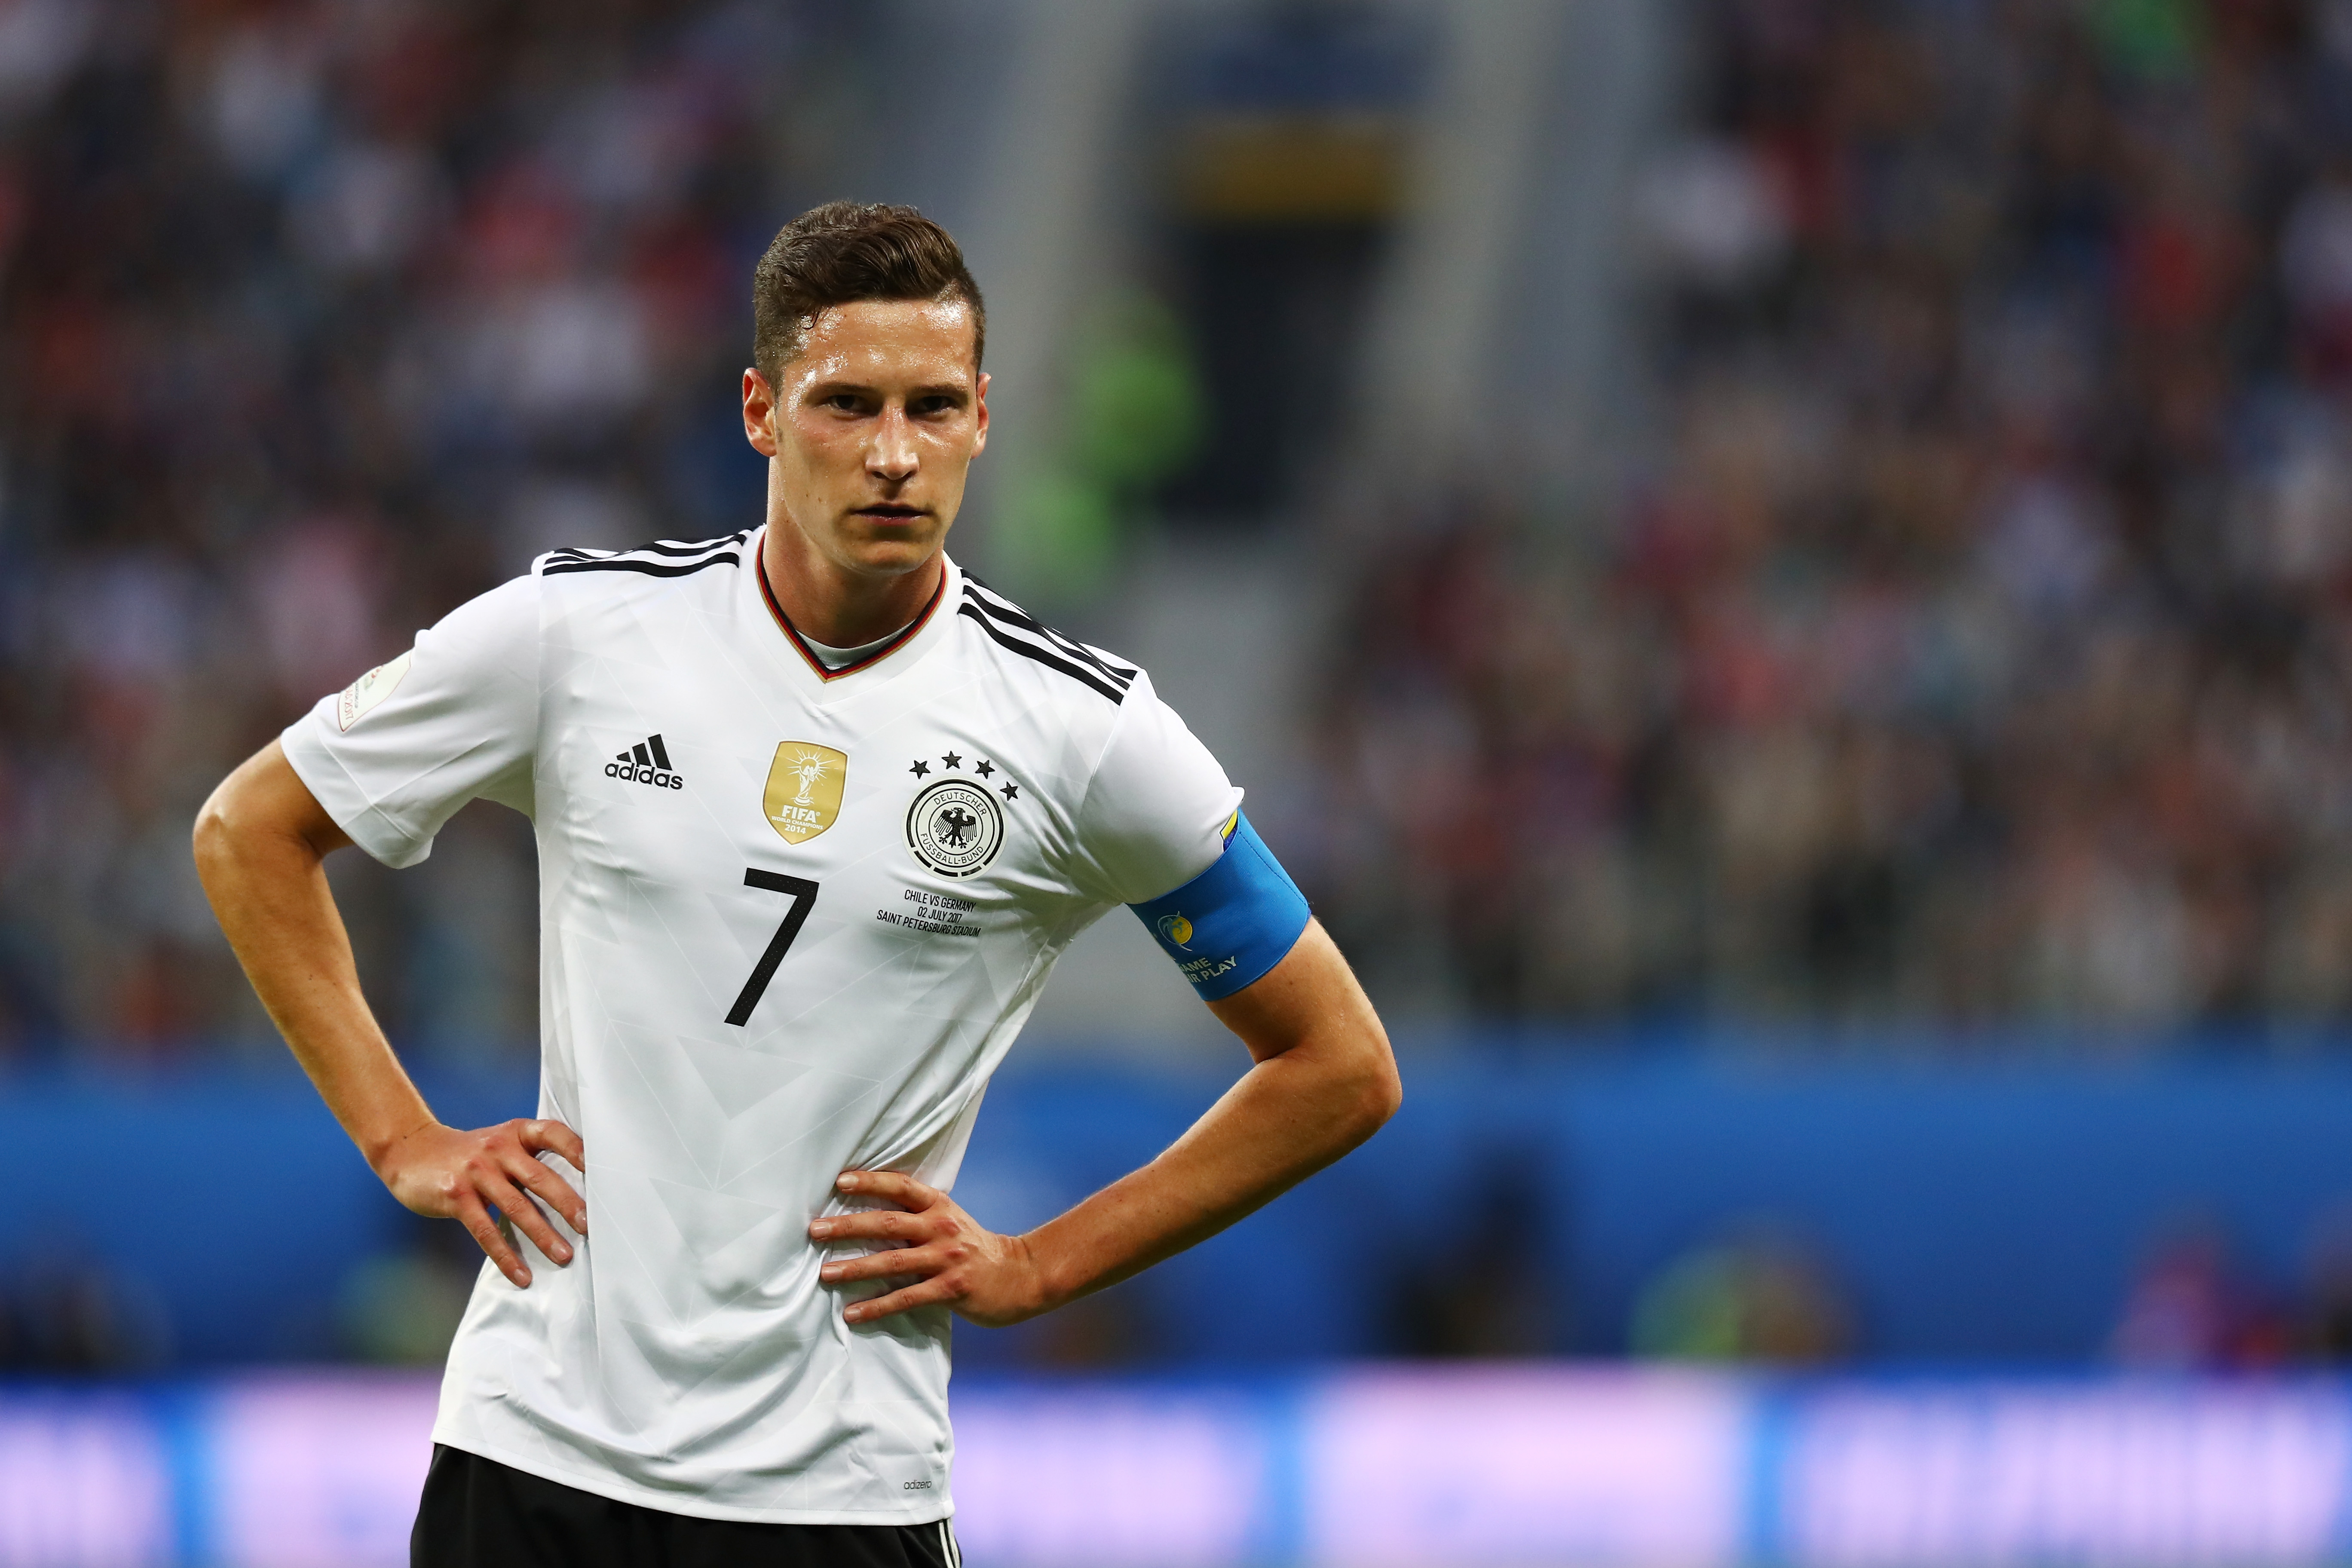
x: 804, y: 894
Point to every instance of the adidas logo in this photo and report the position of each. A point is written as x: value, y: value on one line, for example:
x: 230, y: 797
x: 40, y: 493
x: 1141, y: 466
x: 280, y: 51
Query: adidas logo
x: 645, y: 763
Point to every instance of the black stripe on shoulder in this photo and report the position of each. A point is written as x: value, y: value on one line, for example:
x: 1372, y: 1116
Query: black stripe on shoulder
x: 649, y: 568
x: 673, y: 547
x: 1077, y: 672
x: 999, y: 608
x: 658, y: 547
x: 1021, y: 624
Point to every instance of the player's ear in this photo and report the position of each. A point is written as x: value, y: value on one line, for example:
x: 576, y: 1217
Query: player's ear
x: 759, y: 414
x: 980, y: 415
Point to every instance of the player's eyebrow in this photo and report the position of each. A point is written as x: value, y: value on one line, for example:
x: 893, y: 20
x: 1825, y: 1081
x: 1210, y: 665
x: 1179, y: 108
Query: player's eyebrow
x: 834, y: 386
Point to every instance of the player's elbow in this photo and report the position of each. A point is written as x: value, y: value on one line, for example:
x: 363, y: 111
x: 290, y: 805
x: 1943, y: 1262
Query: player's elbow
x: 1374, y: 1091
x: 240, y: 824
x: 213, y: 840
x: 1385, y: 1096
x: 224, y: 843
x: 229, y: 815
x: 263, y: 814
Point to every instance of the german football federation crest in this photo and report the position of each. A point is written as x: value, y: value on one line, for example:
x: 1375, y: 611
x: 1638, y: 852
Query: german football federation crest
x: 805, y: 784
x: 955, y: 827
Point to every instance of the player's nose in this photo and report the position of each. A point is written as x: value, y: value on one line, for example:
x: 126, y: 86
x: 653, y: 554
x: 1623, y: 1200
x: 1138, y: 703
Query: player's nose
x: 892, y: 456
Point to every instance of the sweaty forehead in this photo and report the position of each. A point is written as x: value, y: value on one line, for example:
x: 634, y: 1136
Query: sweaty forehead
x: 886, y: 340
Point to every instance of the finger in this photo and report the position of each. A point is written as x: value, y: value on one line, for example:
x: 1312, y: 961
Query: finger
x: 485, y: 1232
x: 929, y: 1293
x: 550, y: 1188
x: 526, y: 1216
x: 898, y: 1263
x: 554, y: 1137
x: 873, y: 1225
x: 890, y: 1186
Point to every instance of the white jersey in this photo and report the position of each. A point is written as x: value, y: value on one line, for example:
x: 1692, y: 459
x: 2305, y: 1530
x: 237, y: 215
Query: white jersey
x: 790, y: 922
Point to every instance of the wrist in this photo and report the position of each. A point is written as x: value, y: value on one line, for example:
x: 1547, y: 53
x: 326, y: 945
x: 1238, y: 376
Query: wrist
x: 382, y: 1149
x: 1047, y: 1271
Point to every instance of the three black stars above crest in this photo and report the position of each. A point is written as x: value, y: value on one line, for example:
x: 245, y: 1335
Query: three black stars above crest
x: 984, y: 768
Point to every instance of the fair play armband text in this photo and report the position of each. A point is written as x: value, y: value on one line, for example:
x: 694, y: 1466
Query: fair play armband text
x: 1229, y: 925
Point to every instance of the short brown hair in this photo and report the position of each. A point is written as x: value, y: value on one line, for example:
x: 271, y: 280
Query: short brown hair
x: 846, y: 251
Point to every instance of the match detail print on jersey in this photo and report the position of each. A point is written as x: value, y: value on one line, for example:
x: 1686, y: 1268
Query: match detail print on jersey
x: 804, y: 785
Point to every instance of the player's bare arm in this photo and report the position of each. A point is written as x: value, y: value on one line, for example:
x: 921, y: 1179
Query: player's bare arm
x: 261, y: 845
x: 1324, y: 1081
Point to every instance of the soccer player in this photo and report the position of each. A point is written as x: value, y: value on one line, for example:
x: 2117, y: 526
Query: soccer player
x: 816, y: 812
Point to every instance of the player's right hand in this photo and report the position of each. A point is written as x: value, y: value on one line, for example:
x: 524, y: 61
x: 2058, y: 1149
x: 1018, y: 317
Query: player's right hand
x: 446, y: 1174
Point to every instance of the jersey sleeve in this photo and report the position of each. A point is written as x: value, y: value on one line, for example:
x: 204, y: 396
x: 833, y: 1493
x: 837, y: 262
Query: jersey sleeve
x: 392, y: 756
x: 1154, y: 813
x: 1163, y: 831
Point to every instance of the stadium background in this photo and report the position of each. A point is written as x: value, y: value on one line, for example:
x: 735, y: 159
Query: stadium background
x: 1778, y: 569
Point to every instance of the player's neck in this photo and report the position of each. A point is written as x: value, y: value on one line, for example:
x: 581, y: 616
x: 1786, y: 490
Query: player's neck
x: 829, y: 605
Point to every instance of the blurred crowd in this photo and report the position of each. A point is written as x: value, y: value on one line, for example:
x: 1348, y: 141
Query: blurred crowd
x: 1969, y: 645
x: 1763, y: 1290
x: 316, y: 317
x: 1975, y: 645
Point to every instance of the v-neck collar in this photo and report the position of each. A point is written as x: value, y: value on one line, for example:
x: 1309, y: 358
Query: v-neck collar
x: 908, y: 644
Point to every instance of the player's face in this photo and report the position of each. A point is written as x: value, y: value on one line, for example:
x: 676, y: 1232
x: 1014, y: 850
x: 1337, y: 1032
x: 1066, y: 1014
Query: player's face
x: 872, y: 431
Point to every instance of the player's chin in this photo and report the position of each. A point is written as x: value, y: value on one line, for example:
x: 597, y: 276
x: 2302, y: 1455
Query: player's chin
x: 890, y: 543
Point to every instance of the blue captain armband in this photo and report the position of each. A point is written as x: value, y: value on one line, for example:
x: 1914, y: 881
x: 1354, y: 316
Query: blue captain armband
x: 1229, y: 925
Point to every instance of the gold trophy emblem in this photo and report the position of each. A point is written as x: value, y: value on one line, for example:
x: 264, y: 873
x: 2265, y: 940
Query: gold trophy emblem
x: 804, y: 794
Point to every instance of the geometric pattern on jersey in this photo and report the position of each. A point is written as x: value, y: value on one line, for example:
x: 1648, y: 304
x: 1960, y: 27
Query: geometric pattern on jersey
x: 730, y: 1016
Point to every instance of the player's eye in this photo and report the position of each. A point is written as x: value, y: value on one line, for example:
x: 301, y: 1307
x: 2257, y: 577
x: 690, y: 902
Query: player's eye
x: 934, y: 406
x: 844, y: 402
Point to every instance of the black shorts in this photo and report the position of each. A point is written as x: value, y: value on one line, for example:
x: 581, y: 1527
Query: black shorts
x: 479, y: 1513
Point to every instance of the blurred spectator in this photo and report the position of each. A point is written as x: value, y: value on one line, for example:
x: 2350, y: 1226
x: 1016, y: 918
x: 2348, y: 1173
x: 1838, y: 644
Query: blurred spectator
x: 63, y: 1311
x: 2192, y: 1310
x: 1971, y: 646
x: 401, y: 1306
x: 1112, y: 1328
x: 1481, y: 1289
x: 2327, y: 1289
x: 1975, y: 645
x: 1760, y: 1295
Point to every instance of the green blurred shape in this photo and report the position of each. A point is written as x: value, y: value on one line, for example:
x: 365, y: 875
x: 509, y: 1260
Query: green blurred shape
x: 1134, y: 417
x: 1695, y: 1311
x: 1067, y: 536
x: 401, y: 1308
x: 2154, y: 40
x: 1759, y: 1296
x: 1136, y: 412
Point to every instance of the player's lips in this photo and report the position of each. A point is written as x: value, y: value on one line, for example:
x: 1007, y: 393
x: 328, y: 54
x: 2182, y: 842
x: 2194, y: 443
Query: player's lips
x: 888, y: 513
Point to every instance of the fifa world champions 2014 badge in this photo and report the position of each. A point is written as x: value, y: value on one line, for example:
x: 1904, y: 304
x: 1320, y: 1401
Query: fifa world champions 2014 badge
x: 955, y: 826
x: 804, y: 786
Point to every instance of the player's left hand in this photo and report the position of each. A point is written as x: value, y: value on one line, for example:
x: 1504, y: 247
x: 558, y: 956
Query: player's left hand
x: 954, y: 1261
